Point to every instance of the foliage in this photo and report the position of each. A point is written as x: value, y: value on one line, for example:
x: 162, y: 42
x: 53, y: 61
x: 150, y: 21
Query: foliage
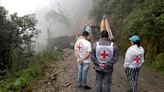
x: 15, y: 33
x: 20, y: 66
x: 5, y: 40
x: 25, y: 27
x: 23, y: 79
x: 142, y: 17
x: 52, y: 17
x: 158, y: 64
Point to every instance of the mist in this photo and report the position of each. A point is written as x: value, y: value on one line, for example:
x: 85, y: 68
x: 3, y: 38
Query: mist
x: 73, y: 16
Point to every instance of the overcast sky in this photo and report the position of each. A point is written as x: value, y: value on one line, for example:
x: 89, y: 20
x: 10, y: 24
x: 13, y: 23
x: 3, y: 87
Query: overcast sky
x: 23, y: 7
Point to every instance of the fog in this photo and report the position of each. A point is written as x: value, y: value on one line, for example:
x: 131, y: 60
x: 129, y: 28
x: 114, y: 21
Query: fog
x: 76, y: 13
x: 55, y: 17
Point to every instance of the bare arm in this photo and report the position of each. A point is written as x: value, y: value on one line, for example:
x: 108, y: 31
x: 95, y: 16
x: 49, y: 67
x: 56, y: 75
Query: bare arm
x: 86, y: 55
x: 76, y: 54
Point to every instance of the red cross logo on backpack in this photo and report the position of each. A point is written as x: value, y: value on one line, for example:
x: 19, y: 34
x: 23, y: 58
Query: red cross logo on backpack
x: 104, y: 54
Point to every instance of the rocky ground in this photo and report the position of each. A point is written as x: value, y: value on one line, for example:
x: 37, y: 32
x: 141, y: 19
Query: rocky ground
x: 61, y: 76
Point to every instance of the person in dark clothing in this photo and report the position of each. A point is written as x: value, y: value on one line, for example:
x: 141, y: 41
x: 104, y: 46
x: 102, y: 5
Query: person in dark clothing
x: 104, y: 55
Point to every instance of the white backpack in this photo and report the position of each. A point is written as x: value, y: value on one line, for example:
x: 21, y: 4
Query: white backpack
x: 104, y: 53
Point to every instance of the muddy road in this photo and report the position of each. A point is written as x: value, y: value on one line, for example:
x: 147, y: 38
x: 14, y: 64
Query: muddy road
x: 62, y: 75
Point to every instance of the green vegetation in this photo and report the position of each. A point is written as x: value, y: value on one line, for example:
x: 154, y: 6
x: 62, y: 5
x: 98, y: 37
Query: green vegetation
x: 20, y: 66
x: 16, y: 34
x: 142, y: 17
x: 26, y: 78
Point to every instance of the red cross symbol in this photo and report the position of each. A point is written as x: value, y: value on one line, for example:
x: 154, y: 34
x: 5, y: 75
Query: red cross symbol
x: 136, y: 59
x: 79, y: 47
x: 104, y: 54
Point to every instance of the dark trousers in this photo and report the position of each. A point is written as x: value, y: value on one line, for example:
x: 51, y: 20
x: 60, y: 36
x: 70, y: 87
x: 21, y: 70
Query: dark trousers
x: 132, y: 75
x: 103, y: 81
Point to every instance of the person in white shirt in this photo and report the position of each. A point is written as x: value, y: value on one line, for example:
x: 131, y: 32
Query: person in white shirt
x: 134, y: 58
x: 83, y: 51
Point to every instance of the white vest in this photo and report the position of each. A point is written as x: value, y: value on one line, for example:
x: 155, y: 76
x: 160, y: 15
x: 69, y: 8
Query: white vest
x: 104, y: 54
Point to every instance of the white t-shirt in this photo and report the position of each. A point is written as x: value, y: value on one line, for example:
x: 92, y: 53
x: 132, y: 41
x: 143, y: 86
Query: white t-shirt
x: 82, y: 46
x: 134, y: 57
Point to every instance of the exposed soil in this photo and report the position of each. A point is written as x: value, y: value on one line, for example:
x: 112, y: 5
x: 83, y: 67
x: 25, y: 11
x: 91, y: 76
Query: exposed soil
x: 62, y: 76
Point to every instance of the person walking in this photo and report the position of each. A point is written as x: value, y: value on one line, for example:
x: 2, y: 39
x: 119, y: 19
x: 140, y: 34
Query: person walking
x: 83, y: 51
x: 104, y: 55
x: 134, y: 58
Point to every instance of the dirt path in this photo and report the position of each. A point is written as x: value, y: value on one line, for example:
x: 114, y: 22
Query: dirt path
x: 62, y: 76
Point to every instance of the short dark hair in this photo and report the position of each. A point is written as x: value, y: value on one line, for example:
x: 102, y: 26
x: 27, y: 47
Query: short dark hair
x: 138, y: 43
x: 85, y: 33
x: 104, y: 34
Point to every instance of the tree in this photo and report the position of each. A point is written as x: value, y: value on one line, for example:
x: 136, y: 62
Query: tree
x: 16, y: 32
x: 53, y: 17
x: 142, y: 17
x: 6, y: 40
x: 25, y: 27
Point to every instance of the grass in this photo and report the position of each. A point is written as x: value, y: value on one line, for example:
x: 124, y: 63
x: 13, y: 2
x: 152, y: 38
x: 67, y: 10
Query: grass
x: 157, y: 65
x: 26, y: 78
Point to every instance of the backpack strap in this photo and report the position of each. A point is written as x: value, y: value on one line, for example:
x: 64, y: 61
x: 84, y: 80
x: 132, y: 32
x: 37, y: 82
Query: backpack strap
x: 97, y: 43
x: 112, y: 44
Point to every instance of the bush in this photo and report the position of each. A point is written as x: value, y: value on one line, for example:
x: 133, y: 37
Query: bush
x: 159, y: 64
x: 15, y: 82
x: 142, y: 17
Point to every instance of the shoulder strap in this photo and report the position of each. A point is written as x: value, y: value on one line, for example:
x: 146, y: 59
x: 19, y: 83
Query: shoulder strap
x: 112, y: 44
x: 97, y: 43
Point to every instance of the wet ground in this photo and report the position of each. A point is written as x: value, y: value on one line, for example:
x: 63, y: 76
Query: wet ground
x: 61, y: 76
